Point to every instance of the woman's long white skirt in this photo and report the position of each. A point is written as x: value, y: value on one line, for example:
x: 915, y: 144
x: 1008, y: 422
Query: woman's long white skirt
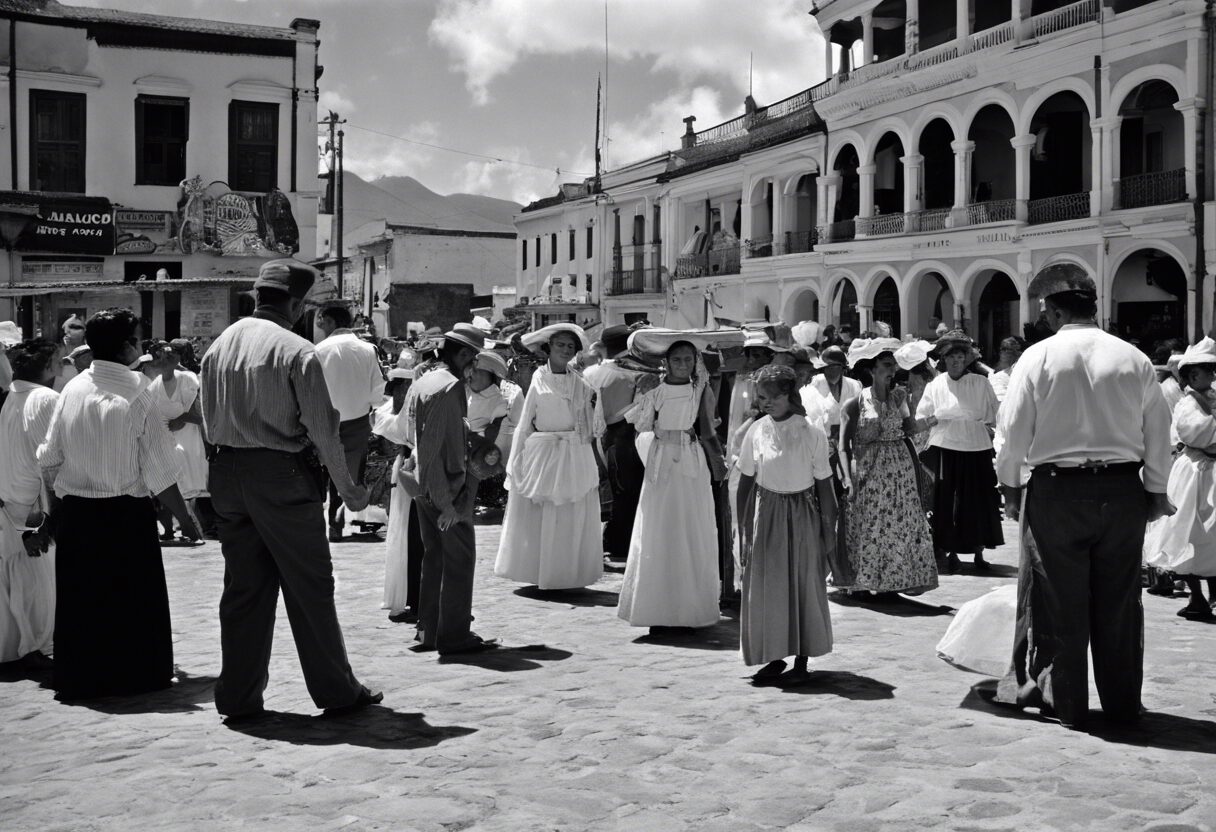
x: 671, y: 577
x: 1185, y: 542
x: 193, y: 480
x: 397, y: 546
x: 551, y: 546
x: 27, y: 595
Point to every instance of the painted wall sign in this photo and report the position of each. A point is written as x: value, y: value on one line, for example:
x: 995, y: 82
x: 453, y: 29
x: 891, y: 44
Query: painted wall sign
x: 82, y: 225
x: 144, y: 232
x: 204, y: 312
x: 36, y: 270
x: 215, y: 219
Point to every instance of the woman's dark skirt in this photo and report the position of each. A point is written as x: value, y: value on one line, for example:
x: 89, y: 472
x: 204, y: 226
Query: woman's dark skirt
x: 112, y: 630
x: 966, y: 504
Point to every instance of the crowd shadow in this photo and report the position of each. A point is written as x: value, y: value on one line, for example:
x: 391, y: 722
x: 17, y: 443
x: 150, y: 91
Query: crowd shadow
x: 509, y: 659
x: 25, y: 671
x: 188, y: 693
x: 993, y: 570
x: 902, y: 607
x: 722, y: 636
x: 573, y: 597
x: 1156, y: 729
x: 375, y: 727
x: 842, y: 683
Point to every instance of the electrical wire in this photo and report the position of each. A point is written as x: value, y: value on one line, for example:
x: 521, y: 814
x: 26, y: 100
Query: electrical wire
x: 485, y: 156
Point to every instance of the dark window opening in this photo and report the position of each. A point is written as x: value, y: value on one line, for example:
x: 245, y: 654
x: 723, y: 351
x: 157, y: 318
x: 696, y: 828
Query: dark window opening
x: 553, y: 249
x: 573, y: 246
x: 57, y: 141
x: 253, y: 146
x: 590, y: 237
x: 162, y: 128
x: 524, y: 251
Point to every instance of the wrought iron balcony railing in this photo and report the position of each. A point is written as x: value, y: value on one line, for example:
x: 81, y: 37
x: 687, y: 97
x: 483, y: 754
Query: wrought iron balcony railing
x: 838, y: 232
x: 635, y: 281
x: 715, y: 261
x: 1157, y: 188
x: 1058, y: 208
x: 994, y: 210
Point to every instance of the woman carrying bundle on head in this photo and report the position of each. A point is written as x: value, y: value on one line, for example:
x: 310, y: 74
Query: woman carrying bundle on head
x: 551, y: 530
x: 787, y: 519
x: 671, y: 577
x: 888, y: 538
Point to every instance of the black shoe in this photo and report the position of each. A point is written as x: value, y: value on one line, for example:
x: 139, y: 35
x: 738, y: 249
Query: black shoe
x: 406, y: 616
x: 476, y: 644
x: 365, y: 700
x: 335, y: 535
x: 246, y: 717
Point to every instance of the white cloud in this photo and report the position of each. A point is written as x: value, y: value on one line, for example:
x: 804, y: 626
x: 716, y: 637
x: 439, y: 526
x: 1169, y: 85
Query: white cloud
x: 521, y: 183
x: 336, y: 101
x: 659, y: 128
x: 700, y: 40
x: 372, y: 155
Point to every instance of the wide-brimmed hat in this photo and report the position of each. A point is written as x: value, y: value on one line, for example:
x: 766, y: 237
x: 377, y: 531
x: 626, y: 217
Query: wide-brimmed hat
x: 806, y: 333
x: 615, y: 339
x: 407, y: 359
x: 834, y: 355
x: 654, y: 342
x: 1202, y: 353
x: 759, y: 339
x: 10, y: 334
x: 492, y: 363
x: 534, y: 340
x: 466, y: 334
x: 863, y: 349
x: 956, y: 339
x: 286, y: 275
x: 913, y: 354
x: 805, y: 357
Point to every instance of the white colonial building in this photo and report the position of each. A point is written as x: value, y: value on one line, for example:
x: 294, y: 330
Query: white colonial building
x: 151, y: 162
x: 956, y: 147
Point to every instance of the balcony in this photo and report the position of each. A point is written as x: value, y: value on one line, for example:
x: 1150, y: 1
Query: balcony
x: 789, y: 242
x: 635, y: 281
x: 1058, y: 208
x: 996, y: 210
x: 1145, y: 189
x: 1065, y: 17
x: 800, y: 242
x: 931, y: 219
x: 883, y: 225
x: 838, y: 232
x: 713, y: 262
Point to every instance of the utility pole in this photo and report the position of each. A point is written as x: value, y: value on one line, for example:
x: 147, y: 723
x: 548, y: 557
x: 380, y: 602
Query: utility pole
x: 336, y: 247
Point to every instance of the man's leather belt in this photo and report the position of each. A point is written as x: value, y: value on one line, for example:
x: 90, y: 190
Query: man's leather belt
x: 1092, y: 469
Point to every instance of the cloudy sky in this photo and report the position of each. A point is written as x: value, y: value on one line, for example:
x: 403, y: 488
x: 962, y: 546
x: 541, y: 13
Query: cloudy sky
x: 515, y: 79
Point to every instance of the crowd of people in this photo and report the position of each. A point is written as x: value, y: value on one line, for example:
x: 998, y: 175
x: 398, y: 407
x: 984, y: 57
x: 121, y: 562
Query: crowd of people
x: 752, y: 467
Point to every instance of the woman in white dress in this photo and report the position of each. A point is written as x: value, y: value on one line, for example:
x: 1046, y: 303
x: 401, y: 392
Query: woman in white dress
x: 671, y: 577
x: 176, y: 392
x: 1185, y: 543
x: 551, y: 530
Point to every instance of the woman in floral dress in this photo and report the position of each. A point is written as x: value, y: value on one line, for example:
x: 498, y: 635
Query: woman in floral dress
x: 889, y: 542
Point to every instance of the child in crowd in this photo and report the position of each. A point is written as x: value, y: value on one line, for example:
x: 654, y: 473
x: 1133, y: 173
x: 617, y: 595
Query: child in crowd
x: 787, y: 519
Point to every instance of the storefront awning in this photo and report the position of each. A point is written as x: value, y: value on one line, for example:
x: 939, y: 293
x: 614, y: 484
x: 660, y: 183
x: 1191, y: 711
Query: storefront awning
x: 22, y: 289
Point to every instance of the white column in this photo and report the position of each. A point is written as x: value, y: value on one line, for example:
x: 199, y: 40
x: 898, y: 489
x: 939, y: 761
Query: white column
x: 1096, y: 186
x: 911, y: 26
x: 865, y: 174
x: 822, y: 206
x: 1190, y: 124
x: 828, y: 69
x: 913, y: 178
x: 962, y: 171
x: 962, y: 17
x: 778, y: 217
x: 867, y: 38
x: 746, y: 224
x: 1021, y: 14
x: 865, y: 314
x: 1021, y: 153
x: 962, y: 312
x: 1110, y: 161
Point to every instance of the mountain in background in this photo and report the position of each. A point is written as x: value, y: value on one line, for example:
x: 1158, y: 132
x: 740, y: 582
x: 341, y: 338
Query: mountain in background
x: 406, y: 201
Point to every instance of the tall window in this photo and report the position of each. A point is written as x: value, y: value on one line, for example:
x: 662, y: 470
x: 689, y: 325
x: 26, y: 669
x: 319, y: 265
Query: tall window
x: 57, y: 121
x: 553, y: 249
x: 253, y: 146
x: 590, y: 253
x: 538, y: 252
x: 162, y: 126
x: 523, y: 264
x: 573, y: 246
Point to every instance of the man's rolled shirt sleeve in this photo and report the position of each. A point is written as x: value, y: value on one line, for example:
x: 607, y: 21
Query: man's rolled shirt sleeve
x: 318, y: 416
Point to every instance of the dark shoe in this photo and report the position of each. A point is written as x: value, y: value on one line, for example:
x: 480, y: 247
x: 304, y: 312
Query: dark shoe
x: 406, y: 616
x: 1197, y: 612
x: 365, y: 700
x: 245, y: 718
x: 335, y: 535
x: 953, y: 564
x: 422, y: 647
x: 476, y: 644
x: 980, y: 565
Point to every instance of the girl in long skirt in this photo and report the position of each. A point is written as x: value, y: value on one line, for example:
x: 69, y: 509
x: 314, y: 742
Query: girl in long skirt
x: 888, y: 538
x: 551, y: 531
x: 787, y: 510
x: 1185, y: 543
x: 671, y: 577
x: 966, y: 504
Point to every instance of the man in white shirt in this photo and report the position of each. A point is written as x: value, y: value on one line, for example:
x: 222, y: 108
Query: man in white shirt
x: 27, y: 556
x: 1085, y: 414
x: 356, y: 387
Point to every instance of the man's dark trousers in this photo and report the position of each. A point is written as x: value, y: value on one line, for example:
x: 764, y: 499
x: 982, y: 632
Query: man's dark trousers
x: 1079, y: 588
x: 625, y: 475
x: 445, y: 602
x: 355, y: 435
x: 272, y: 532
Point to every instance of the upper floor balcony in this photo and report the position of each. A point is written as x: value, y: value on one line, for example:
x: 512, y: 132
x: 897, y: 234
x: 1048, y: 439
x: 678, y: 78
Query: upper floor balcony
x: 900, y: 36
x: 636, y: 270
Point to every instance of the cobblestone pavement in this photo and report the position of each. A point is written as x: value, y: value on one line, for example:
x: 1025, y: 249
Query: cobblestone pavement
x: 585, y: 723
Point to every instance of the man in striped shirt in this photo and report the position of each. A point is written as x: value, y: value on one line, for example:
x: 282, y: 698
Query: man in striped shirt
x: 267, y: 410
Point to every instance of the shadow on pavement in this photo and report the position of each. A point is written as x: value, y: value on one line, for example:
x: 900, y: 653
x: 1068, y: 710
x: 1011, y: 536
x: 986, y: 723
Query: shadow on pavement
x: 510, y: 659
x: 841, y: 683
x: 573, y: 597
x: 722, y: 636
x: 375, y: 727
x: 994, y: 570
x: 186, y: 694
x: 1170, y: 732
x: 24, y: 670
x: 904, y: 607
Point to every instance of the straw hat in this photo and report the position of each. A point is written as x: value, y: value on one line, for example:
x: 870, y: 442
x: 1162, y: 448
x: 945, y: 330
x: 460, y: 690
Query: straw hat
x: 492, y: 363
x: 758, y: 339
x: 912, y: 354
x: 406, y: 362
x: 956, y: 339
x: 10, y: 334
x: 468, y: 335
x: 863, y: 349
x: 1202, y: 353
x: 534, y: 340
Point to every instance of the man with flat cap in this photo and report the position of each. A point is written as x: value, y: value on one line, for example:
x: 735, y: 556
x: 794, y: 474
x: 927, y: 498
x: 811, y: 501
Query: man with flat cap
x: 615, y: 385
x: 267, y: 411
x: 445, y: 506
x: 1085, y: 417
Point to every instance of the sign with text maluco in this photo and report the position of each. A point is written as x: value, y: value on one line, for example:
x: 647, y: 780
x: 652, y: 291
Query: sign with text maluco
x: 80, y: 225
